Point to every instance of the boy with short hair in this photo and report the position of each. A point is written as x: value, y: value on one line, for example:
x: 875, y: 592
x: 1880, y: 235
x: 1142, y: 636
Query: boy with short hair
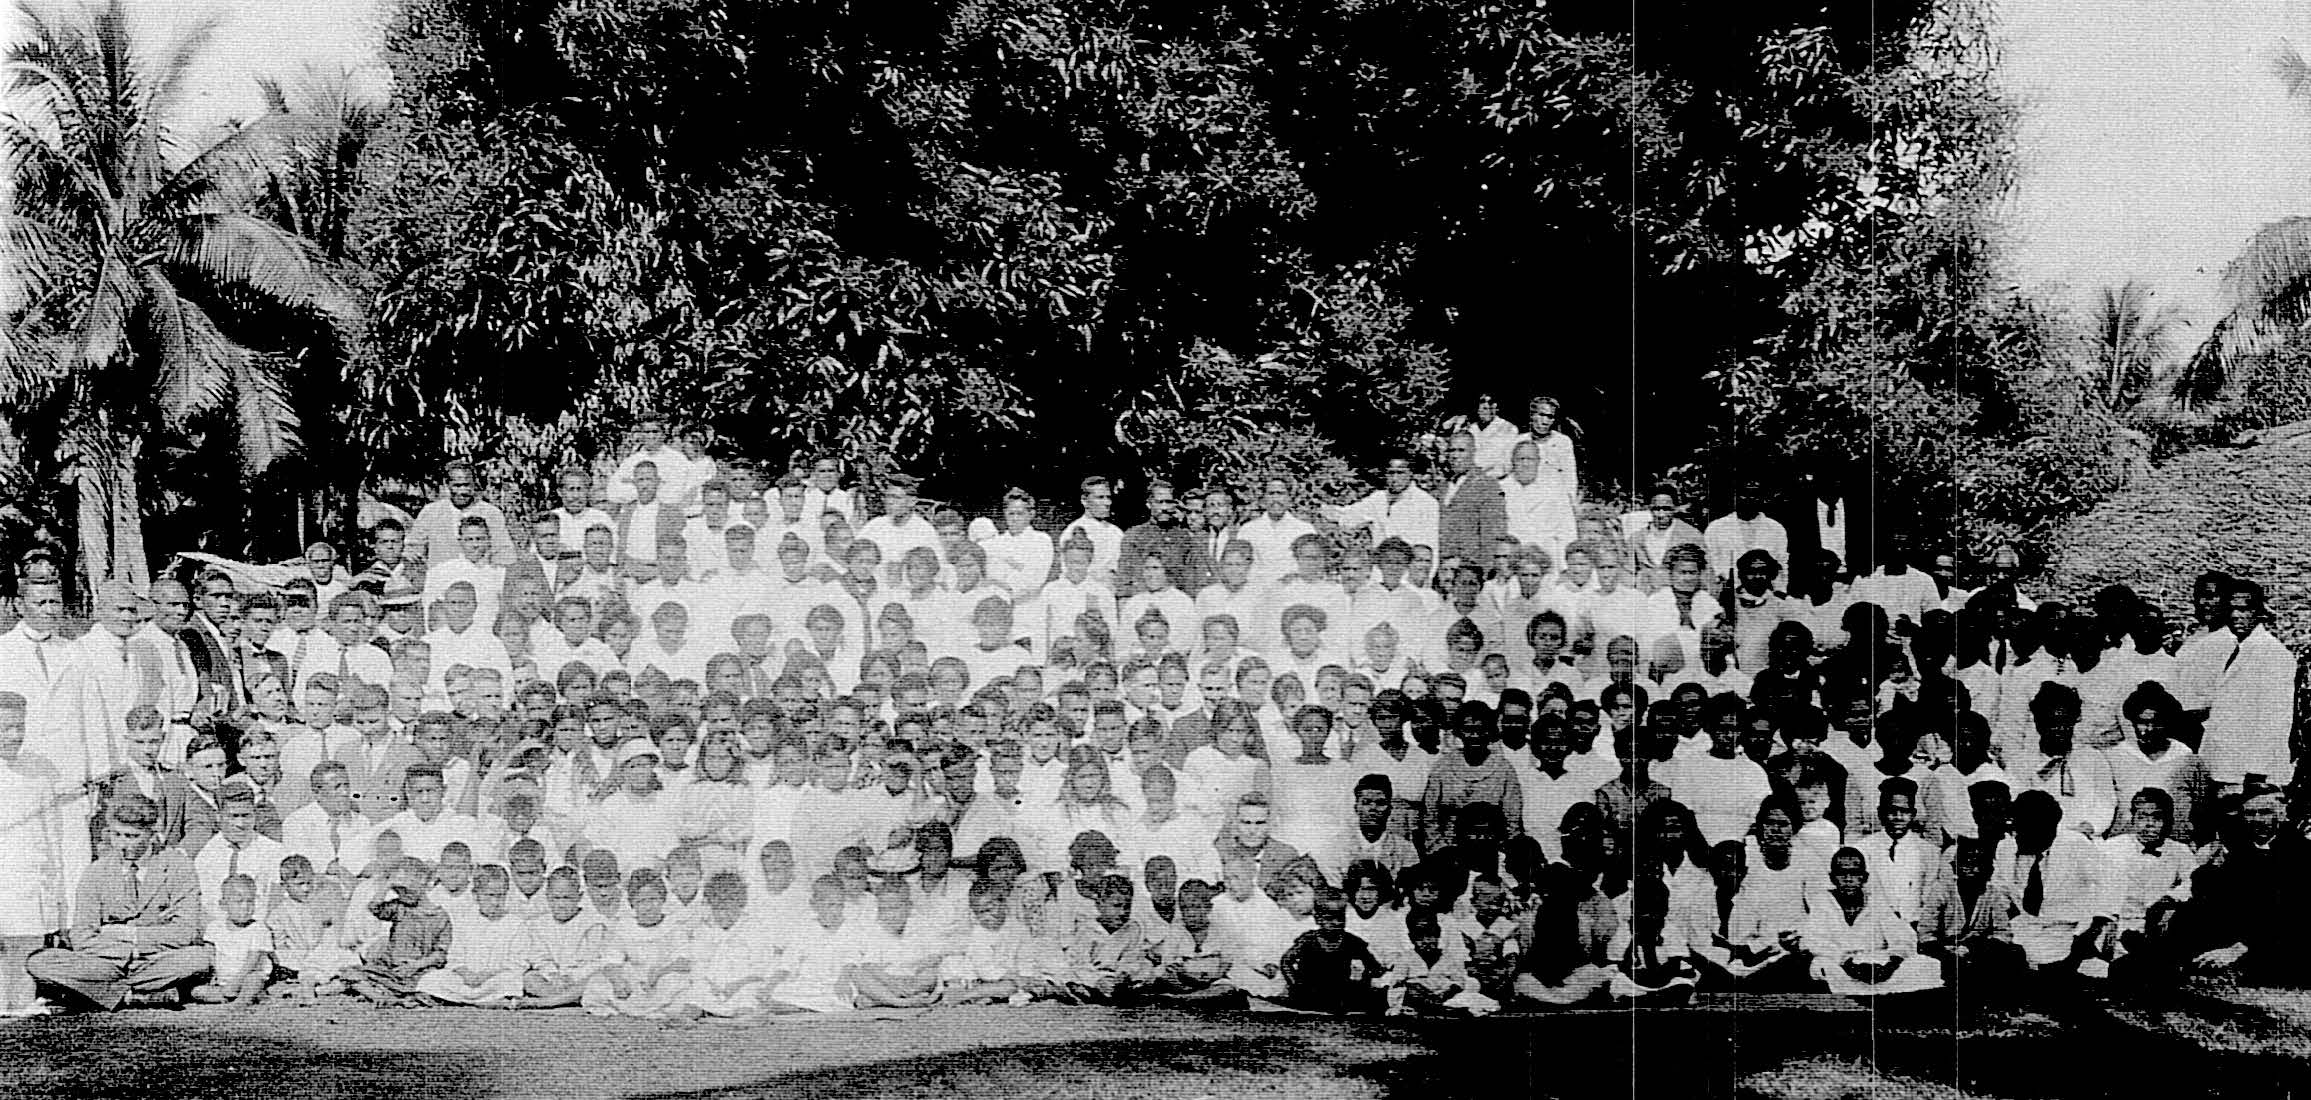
x: 991, y: 964
x: 243, y: 948
x: 453, y: 884
x: 1328, y: 968
x: 201, y: 780
x: 900, y: 966
x: 562, y: 952
x: 648, y: 973
x: 1192, y: 961
x: 2151, y: 870
x: 526, y: 870
x: 1109, y: 952
x: 820, y: 959
x: 304, y: 923
x: 1432, y: 979
x: 730, y: 965
x: 417, y: 941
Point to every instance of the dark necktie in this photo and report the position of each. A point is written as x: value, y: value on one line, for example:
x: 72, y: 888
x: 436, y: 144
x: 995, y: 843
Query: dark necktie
x: 2034, y: 889
x: 2234, y: 657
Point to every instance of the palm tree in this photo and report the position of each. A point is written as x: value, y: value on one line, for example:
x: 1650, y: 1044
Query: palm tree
x: 129, y: 246
x: 2265, y: 295
x: 2127, y: 344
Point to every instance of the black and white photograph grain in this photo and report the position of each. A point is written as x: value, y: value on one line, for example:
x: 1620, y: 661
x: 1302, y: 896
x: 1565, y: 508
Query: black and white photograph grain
x: 1155, y: 549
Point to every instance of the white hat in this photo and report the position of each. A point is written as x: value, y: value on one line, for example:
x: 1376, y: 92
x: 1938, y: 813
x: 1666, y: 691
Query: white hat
x: 636, y: 749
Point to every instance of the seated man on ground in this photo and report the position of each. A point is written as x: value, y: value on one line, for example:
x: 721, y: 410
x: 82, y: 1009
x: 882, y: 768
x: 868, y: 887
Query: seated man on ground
x: 136, y: 929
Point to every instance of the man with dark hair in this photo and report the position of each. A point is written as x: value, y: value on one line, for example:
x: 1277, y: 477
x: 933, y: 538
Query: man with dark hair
x: 1471, y: 511
x: 436, y: 533
x: 1098, y: 497
x: 2251, y: 709
x: 1165, y: 535
x: 2061, y: 883
x: 136, y: 927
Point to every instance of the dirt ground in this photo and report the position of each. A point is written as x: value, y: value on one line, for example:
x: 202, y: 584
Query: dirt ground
x: 1800, y: 1050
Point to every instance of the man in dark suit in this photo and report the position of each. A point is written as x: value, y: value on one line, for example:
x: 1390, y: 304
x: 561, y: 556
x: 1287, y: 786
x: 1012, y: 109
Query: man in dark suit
x: 210, y: 646
x: 1472, y: 512
x: 140, y: 775
x: 136, y: 928
x: 1166, y: 536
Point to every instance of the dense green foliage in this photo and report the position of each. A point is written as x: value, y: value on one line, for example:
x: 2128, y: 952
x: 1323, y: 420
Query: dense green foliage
x: 1016, y: 241
x: 1052, y: 237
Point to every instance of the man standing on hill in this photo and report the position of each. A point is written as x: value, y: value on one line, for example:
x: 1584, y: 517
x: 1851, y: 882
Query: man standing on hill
x: 2252, y: 709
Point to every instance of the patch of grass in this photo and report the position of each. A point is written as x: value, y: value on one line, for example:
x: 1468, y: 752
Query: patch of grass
x: 1840, y: 1079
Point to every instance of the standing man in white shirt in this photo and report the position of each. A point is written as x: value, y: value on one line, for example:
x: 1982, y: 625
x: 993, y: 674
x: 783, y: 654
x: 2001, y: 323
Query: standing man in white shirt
x: 1558, y: 465
x: 2252, y: 711
x: 901, y: 527
x: 1494, y: 436
x: 1398, y: 509
x: 1019, y: 558
x: 435, y: 533
x: 1273, y: 532
x: 1106, y: 538
x: 1728, y: 537
x: 651, y: 446
x: 63, y: 714
x: 823, y: 492
x: 577, y: 515
x: 472, y: 566
x: 180, y: 679
x: 120, y: 654
x: 1540, y: 513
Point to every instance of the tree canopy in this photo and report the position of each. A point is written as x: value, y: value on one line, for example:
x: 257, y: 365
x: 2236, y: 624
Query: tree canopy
x: 1051, y: 237
x: 1026, y: 240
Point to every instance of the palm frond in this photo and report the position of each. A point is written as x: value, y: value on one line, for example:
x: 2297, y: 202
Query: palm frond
x: 104, y: 327
x: 35, y: 258
x: 46, y: 173
x: 193, y: 361
x: 2127, y: 344
x: 268, y: 421
x: 233, y: 172
x: 247, y: 251
x: 2265, y: 295
x: 2293, y: 71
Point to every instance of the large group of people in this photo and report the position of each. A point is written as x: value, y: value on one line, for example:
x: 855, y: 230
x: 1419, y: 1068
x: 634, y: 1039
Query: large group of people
x: 710, y: 740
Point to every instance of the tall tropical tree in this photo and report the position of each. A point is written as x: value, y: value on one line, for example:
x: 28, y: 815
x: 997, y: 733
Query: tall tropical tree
x: 2127, y: 340
x: 153, y: 304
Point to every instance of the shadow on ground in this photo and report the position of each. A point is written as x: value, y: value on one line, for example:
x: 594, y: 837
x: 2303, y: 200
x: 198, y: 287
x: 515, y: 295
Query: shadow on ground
x: 151, y: 1055
x: 1270, y: 1061
x: 2070, y: 1051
